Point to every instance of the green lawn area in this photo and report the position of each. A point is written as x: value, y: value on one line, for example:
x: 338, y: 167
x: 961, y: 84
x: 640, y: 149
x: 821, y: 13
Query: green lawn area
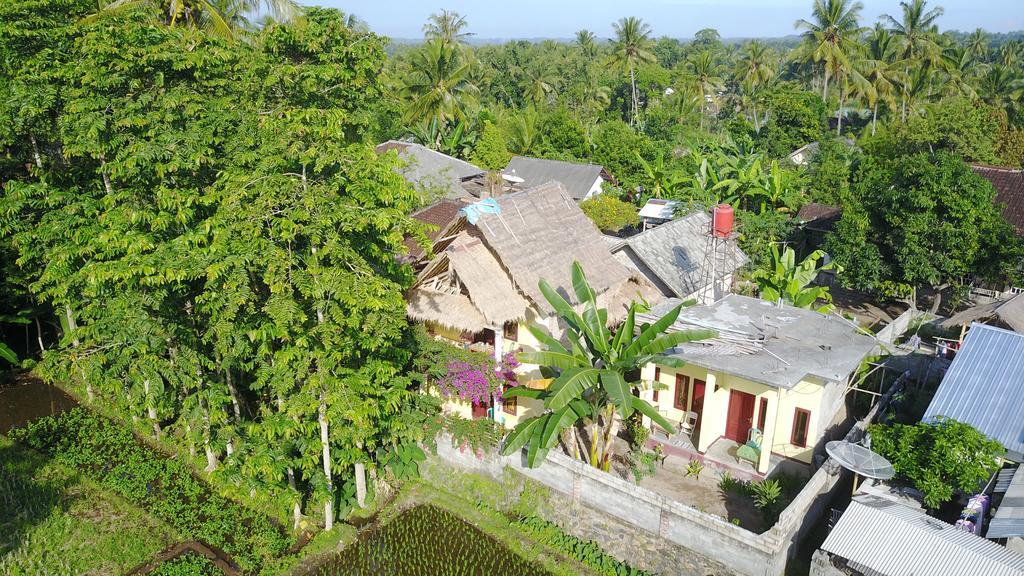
x: 55, y: 521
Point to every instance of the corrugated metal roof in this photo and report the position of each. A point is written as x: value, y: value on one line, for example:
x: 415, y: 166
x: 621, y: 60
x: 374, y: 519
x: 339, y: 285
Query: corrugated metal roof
x: 1009, y: 517
x: 877, y: 536
x: 984, y: 387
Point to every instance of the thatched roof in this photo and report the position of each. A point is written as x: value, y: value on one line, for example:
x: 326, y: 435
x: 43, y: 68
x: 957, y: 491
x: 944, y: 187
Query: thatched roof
x: 488, y: 286
x: 1008, y: 312
x: 449, y: 310
x: 539, y: 233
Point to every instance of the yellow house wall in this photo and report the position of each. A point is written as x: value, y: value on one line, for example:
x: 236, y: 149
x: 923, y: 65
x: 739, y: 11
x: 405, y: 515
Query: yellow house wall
x: 782, y: 406
x: 526, y: 407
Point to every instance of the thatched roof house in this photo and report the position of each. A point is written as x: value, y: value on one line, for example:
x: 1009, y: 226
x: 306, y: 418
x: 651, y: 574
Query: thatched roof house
x: 489, y: 275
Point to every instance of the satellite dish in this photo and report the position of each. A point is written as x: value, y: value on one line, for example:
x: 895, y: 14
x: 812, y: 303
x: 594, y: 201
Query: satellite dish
x: 512, y: 178
x: 860, y: 460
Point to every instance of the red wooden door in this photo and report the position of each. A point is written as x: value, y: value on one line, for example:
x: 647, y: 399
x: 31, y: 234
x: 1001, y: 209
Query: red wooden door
x: 698, y: 399
x: 741, y: 416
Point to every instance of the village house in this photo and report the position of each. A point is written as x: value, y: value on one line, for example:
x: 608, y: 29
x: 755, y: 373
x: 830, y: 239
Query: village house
x: 879, y: 537
x: 1009, y: 185
x: 984, y: 387
x: 432, y: 173
x: 682, y: 259
x: 581, y: 181
x: 774, y: 379
x: 481, y: 289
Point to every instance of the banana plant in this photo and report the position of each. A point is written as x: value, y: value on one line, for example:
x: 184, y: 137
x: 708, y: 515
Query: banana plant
x: 785, y: 279
x: 592, y: 364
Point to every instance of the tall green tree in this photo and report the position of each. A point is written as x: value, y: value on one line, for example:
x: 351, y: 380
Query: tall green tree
x: 438, y: 86
x: 447, y: 27
x: 630, y: 49
x: 830, y: 35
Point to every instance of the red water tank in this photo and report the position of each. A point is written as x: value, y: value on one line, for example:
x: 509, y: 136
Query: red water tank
x: 722, y: 221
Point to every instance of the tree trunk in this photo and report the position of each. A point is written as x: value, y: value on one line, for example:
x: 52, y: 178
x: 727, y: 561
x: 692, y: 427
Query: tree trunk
x: 937, y: 302
x: 839, y: 114
x: 297, y: 505
x: 703, y: 102
x: 874, y: 117
x: 35, y: 151
x: 361, y: 484
x: 211, y: 456
x: 757, y: 127
x: 106, y: 177
x: 235, y: 404
x: 73, y: 328
x: 326, y: 445
x: 632, y: 83
x: 824, y: 84
x: 39, y: 335
x: 151, y: 409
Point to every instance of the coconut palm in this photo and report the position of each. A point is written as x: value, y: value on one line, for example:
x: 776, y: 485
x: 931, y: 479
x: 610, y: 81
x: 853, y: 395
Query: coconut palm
x: 880, y: 70
x: 831, y: 35
x: 1000, y: 86
x: 438, y: 85
x: 704, y: 72
x: 587, y: 42
x: 755, y: 68
x: 446, y: 27
x: 593, y: 368
x: 916, y: 31
x: 538, y: 84
x: 224, y: 18
x: 977, y: 44
x: 960, y: 68
x: 632, y: 48
x: 522, y: 130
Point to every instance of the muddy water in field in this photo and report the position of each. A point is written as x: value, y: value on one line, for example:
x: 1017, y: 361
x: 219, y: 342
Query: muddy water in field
x: 26, y: 399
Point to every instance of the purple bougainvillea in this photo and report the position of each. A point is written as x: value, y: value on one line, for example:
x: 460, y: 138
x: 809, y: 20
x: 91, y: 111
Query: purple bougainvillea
x: 478, y: 382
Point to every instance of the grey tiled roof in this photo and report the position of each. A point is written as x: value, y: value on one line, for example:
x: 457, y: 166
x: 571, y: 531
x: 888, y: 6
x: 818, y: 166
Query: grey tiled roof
x: 429, y: 168
x: 576, y: 178
x: 675, y: 253
x: 984, y: 387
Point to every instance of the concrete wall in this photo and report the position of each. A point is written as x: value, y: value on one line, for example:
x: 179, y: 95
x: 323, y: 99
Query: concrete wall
x: 647, y: 514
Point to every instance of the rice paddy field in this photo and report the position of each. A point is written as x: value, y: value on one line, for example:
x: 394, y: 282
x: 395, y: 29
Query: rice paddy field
x: 55, y: 522
x: 427, y: 541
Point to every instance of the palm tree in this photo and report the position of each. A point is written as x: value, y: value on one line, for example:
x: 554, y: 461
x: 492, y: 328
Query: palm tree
x: 1000, y: 86
x: 439, y: 85
x: 222, y: 18
x: 522, y: 131
x: 587, y: 43
x: 878, y: 67
x: 538, y: 84
x: 592, y: 385
x: 958, y: 63
x: 447, y: 27
x: 755, y: 69
x: 916, y: 31
x: 977, y: 44
x: 831, y: 35
x: 631, y: 48
x: 703, y: 70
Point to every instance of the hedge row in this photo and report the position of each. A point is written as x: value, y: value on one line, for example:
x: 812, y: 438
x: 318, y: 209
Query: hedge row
x: 110, y: 455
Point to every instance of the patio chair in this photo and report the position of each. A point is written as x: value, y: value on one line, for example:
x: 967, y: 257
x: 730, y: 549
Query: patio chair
x: 751, y: 451
x: 684, y: 426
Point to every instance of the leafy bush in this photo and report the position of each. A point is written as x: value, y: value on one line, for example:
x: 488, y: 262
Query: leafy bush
x: 188, y: 564
x: 586, y: 551
x: 481, y: 435
x: 728, y: 484
x: 609, y: 213
x: 766, y: 493
x: 937, y: 458
x: 110, y: 455
x: 642, y: 462
x: 694, y: 468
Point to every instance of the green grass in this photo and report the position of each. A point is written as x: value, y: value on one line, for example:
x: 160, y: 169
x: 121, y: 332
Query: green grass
x: 55, y: 521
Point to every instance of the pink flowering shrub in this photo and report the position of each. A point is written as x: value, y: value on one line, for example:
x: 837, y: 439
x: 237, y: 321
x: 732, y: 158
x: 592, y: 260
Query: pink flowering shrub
x: 478, y: 382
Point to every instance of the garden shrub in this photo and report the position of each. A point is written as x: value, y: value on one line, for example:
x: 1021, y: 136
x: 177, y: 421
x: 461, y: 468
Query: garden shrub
x: 110, y: 455
x: 188, y: 564
x: 586, y: 551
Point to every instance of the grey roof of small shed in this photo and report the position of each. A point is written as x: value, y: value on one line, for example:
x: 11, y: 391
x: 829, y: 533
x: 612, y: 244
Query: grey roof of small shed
x: 878, y: 537
x: 429, y: 168
x: 675, y: 253
x: 1009, y: 312
x: 1008, y: 520
x: 576, y: 178
x: 984, y: 387
x: 775, y: 345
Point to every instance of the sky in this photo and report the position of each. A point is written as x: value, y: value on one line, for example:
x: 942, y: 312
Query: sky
x: 675, y: 18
